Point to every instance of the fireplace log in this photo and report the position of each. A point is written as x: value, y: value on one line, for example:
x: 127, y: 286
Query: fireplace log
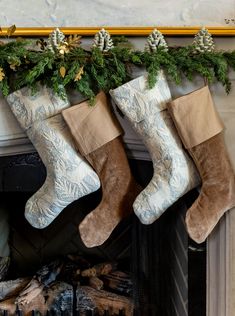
x: 96, y: 283
x: 32, y: 290
x: 99, y: 269
x: 119, y: 282
x: 50, y: 291
x: 12, y: 287
x: 55, y: 300
x: 45, y: 276
x: 101, y: 301
x: 48, y: 273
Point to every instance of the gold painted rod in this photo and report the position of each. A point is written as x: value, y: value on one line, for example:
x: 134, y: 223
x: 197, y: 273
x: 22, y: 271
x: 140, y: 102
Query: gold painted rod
x: 128, y: 31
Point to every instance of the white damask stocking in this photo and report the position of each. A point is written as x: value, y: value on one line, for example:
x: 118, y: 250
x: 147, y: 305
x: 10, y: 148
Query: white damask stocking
x: 69, y: 177
x: 174, y: 171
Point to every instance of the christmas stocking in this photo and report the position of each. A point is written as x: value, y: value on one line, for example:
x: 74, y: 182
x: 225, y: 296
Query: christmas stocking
x: 97, y: 135
x: 174, y: 171
x: 69, y: 177
x: 200, y: 129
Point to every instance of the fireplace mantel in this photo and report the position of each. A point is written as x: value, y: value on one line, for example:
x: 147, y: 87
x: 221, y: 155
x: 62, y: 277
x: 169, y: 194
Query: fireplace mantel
x: 221, y: 244
x: 13, y: 141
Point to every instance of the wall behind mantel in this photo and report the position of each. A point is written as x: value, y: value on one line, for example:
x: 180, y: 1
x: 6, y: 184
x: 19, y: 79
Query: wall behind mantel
x: 111, y: 12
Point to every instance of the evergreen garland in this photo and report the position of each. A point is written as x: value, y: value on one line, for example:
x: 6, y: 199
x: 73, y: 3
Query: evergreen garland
x: 62, y: 62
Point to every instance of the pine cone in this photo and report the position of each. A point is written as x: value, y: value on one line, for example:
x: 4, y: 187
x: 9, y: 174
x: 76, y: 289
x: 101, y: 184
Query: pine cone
x: 55, y: 40
x: 203, y: 41
x: 103, y: 41
x: 156, y: 40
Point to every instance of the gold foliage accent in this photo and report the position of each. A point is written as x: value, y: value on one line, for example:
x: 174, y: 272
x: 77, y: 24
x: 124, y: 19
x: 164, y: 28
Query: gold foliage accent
x: 2, y: 74
x: 62, y: 71
x: 79, y: 74
x: 73, y: 40
x: 11, y: 30
x: 63, y: 48
x: 13, y: 66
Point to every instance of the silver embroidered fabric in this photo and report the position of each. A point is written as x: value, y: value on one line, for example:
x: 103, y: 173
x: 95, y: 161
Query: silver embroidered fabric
x: 69, y: 176
x: 174, y: 171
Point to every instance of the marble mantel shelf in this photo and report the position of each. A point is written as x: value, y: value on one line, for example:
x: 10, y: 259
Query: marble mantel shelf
x: 14, y: 141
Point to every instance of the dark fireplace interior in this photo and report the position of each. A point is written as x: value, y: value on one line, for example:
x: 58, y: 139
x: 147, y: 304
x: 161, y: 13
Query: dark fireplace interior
x: 167, y: 270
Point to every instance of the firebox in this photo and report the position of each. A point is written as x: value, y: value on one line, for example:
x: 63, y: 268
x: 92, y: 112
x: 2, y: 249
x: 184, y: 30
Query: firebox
x: 143, y: 270
x: 157, y: 268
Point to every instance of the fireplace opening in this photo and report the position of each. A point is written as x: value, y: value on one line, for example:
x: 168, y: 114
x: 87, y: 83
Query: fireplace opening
x: 157, y: 268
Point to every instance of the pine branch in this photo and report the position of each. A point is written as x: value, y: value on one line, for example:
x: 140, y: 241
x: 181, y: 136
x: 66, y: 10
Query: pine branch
x: 4, y: 87
x: 105, y: 69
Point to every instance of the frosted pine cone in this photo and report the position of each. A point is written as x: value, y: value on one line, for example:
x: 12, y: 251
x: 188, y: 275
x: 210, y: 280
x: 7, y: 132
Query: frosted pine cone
x: 156, y: 40
x: 203, y: 41
x: 103, y: 41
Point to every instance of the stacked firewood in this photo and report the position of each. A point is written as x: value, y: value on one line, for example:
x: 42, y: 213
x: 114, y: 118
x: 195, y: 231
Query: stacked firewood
x: 62, y: 313
x: 69, y: 287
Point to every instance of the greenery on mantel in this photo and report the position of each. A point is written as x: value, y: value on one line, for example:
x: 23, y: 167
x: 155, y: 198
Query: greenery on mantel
x: 62, y: 61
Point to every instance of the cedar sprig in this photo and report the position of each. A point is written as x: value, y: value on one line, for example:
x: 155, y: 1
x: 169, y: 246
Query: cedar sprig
x: 190, y: 64
x: 157, y: 60
x: 230, y: 58
x: 221, y: 68
x: 4, y: 87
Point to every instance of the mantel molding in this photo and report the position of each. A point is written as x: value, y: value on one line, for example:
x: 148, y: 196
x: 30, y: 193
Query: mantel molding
x: 220, y: 268
x: 135, y: 149
x: 121, y: 30
x: 13, y: 141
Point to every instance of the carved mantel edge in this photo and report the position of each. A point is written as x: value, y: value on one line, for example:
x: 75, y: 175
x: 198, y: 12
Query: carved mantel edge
x: 220, y: 270
x: 121, y: 30
x: 134, y: 149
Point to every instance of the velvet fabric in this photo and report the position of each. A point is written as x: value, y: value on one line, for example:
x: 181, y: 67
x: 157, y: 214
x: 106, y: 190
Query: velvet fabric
x: 217, y: 193
x: 218, y: 187
x: 104, y: 150
x: 119, y: 191
x: 201, y: 120
x: 92, y: 126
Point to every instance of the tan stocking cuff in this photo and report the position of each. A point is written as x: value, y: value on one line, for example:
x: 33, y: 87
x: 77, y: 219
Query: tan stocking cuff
x: 92, y: 126
x: 195, y: 117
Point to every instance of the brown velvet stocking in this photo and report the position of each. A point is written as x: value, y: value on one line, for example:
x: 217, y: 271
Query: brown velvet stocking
x: 218, y: 187
x: 119, y: 192
x: 201, y: 131
x: 97, y: 136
